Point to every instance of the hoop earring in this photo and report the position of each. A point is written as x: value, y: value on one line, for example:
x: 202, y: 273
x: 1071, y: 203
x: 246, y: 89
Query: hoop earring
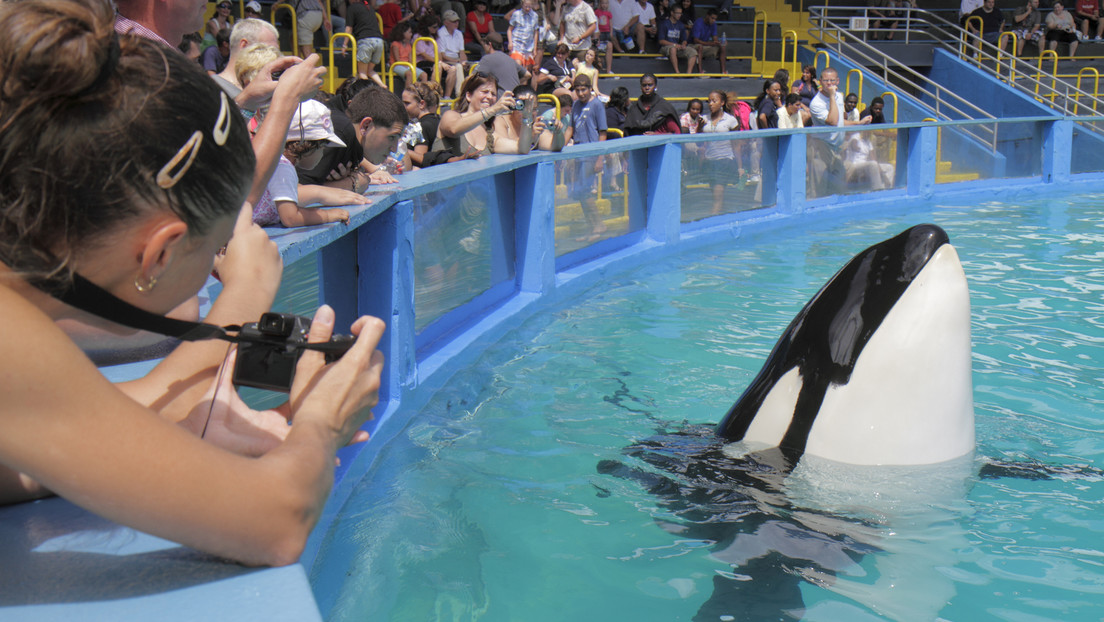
x: 148, y: 287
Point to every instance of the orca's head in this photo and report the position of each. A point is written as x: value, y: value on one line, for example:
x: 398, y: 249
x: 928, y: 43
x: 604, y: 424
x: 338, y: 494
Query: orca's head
x: 875, y: 369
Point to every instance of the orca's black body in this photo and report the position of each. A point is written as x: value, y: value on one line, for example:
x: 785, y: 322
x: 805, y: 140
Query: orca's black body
x: 826, y: 338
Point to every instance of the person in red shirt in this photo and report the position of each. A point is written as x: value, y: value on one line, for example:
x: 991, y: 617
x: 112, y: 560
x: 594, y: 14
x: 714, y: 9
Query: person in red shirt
x: 479, y: 31
x: 1087, y: 14
x: 391, y: 13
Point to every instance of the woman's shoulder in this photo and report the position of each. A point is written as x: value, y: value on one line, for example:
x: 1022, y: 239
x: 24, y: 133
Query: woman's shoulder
x: 28, y: 329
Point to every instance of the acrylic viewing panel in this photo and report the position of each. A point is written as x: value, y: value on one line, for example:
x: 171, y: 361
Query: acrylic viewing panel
x: 726, y: 176
x: 1087, y: 154
x: 592, y: 199
x: 851, y: 162
x: 463, y: 245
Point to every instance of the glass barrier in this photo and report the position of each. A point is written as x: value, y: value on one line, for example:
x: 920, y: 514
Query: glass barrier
x: 726, y: 176
x: 461, y: 237
x: 851, y: 162
x: 593, y: 195
x: 1087, y: 153
x: 971, y: 152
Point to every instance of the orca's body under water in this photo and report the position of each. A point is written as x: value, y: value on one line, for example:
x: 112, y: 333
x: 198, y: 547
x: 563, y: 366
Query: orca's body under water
x: 873, y: 376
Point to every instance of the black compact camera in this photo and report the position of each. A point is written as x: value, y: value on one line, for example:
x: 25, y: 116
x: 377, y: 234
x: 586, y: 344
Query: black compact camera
x: 269, y: 349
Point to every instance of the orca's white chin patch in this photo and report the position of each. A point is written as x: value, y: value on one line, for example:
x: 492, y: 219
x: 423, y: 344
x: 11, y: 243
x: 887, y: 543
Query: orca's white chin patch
x: 909, y: 399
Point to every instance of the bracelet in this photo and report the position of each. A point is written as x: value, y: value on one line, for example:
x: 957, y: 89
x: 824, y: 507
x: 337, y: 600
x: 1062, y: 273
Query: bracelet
x: 484, y: 113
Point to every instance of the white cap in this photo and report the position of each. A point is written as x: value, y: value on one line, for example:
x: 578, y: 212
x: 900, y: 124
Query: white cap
x: 254, y: 6
x: 312, y: 122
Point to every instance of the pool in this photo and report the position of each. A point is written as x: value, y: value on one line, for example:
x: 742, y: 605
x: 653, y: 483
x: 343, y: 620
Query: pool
x: 488, y: 504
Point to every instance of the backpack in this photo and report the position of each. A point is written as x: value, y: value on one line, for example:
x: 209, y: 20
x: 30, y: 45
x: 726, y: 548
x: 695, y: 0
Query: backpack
x: 742, y: 111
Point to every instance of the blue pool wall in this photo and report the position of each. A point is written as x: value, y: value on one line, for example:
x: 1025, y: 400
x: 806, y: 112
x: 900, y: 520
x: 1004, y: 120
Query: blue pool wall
x: 63, y: 563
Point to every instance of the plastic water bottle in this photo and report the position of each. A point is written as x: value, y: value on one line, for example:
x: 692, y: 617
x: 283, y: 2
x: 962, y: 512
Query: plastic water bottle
x: 393, y: 163
x: 724, y: 42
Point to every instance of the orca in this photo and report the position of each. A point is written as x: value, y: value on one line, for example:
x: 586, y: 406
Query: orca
x: 854, y: 440
x: 873, y: 372
x: 875, y: 369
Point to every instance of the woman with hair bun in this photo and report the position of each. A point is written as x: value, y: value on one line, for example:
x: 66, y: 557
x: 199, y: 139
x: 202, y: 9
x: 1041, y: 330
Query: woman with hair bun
x: 123, y: 171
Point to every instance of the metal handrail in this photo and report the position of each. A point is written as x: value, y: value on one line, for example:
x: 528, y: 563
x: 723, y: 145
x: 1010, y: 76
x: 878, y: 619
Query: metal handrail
x: 895, y: 103
x: 1011, y: 55
x: 755, y: 36
x: 548, y: 98
x: 331, y: 74
x: 788, y: 36
x: 946, y: 102
x: 411, y: 77
x: 847, y: 83
x: 294, y: 25
x: 1096, y: 82
x: 1043, y: 55
x: 436, y: 57
x: 1065, y: 97
x: 966, y: 33
x: 827, y: 60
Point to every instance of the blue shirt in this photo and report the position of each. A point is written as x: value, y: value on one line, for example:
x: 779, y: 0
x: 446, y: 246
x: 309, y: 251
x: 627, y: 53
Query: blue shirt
x: 672, y: 32
x: 703, y: 31
x: 588, y: 119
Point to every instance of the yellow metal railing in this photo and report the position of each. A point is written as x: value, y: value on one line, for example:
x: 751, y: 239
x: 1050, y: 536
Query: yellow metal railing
x: 964, y: 39
x: 755, y: 36
x: 617, y: 131
x: 548, y: 98
x: 1012, y: 54
x: 887, y: 95
x: 816, y: 59
x: 1043, y: 55
x: 795, y: 69
x: 331, y: 74
x: 436, y: 57
x: 847, y: 84
x: 1096, y: 85
x: 412, y: 75
x: 294, y: 25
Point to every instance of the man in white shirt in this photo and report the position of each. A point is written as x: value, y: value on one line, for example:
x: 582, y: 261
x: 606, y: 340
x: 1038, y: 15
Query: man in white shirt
x: 646, y: 22
x: 624, y: 24
x: 826, y: 173
x: 827, y: 106
x: 450, y: 46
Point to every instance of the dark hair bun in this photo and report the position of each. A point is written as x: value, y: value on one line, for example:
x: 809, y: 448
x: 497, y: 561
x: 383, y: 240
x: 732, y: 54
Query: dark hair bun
x: 54, y: 49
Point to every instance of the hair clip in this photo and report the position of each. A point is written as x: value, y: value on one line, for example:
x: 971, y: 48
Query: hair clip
x: 166, y: 178
x: 222, y: 126
x: 171, y: 173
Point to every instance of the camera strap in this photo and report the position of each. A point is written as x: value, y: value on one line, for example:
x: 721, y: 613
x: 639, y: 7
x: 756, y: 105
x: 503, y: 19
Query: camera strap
x: 80, y: 293
x: 87, y: 296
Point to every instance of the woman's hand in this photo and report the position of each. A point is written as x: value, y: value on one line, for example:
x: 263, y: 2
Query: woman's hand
x: 504, y: 105
x: 251, y: 262
x: 223, y: 419
x: 338, y: 396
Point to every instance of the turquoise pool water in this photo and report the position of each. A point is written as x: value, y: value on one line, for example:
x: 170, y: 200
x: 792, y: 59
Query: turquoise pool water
x: 488, y: 504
